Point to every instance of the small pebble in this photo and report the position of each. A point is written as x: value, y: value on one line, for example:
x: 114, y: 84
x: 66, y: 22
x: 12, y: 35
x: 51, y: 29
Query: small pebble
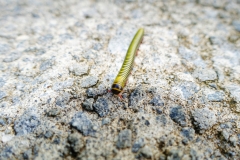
x: 124, y: 139
x: 88, y: 104
x: 101, y: 107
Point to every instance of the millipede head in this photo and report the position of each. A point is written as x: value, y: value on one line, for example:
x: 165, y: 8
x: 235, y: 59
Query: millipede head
x: 116, y: 89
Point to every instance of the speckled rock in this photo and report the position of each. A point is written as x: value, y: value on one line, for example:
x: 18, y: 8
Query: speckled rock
x: 2, y: 94
x: 76, y: 142
x: 101, y: 107
x: 106, y: 121
x: 204, y: 119
x: 12, y: 57
x: 185, y: 90
x: 2, y: 121
x: 177, y: 114
x: 89, y: 81
x: 236, y: 25
x: 27, y: 123
x: 225, y: 134
x: 205, y: 74
x: 189, y: 133
x: 136, y: 96
x: 88, y: 104
x: 216, y: 96
x: 146, y: 151
x: 62, y: 101
x: 46, y: 64
x: 83, y: 124
x: 124, y: 139
x: 157, y: 101
x: 79, y: 70
x: 54, y: 112
x: 139, y: 143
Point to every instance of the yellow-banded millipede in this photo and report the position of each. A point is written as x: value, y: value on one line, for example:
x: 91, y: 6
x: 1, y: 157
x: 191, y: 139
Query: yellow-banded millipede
x: 121, y: 79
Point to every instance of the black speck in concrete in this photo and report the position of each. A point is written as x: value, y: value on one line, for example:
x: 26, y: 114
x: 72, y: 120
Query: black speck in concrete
x: 177, y: 115
x: 147, y: 123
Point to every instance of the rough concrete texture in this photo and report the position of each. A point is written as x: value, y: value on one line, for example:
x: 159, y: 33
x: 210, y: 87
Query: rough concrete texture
x: 59, y: 58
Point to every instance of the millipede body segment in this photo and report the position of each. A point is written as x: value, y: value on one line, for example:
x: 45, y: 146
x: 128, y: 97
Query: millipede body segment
x: 121, y: 79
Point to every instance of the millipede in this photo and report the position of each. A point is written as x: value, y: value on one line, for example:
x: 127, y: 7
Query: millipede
x: 123, y: 74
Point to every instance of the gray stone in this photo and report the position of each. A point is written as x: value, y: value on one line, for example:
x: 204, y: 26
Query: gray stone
x: 76, y: 142
x: 12, y: 57
x: 146, y: 152
x: 187, y: 53
x: 226, y: 125
x: 91, y: 92
x: 3, y: 121
x: 83, y: 124
x: 157, y: 101
x: 27, y: 154
x: 48, y: 134
x: 106, y: 121
x: 204, y: 119
x: 188, y: 132
x: 161, y: 119
x: 7, y: 153
x: 216, y: 40
x: 225, y: 134
x: 124, y: 139
x: 54, y: 112
x: 79, y: 70
x: 2, y: 95
x: 233, y: 140
x: 101, y: 107
x: 217, y: 96
x: 65, y: 36
x: 27, y: 123
x: 46, y: 65
x: 177, y: 114
x: 234, y: 90
x: 205, y: 74
x: 4, y: 48
x: 15, y: 100
x: 137, y: 96
x: 88, y: 104
x: 174, y: 153
x: 40, y: 52
x: 159, y: 111
x: 62, y: 85
x: 187, y: 90
x: 236, y: 25
x: 89, y: 55
x: 89, y: 81
x: 97, y: 46
x: 2, y: 82
x: 62, y: 101
x: 45, y: 39
x: 139, y: 143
